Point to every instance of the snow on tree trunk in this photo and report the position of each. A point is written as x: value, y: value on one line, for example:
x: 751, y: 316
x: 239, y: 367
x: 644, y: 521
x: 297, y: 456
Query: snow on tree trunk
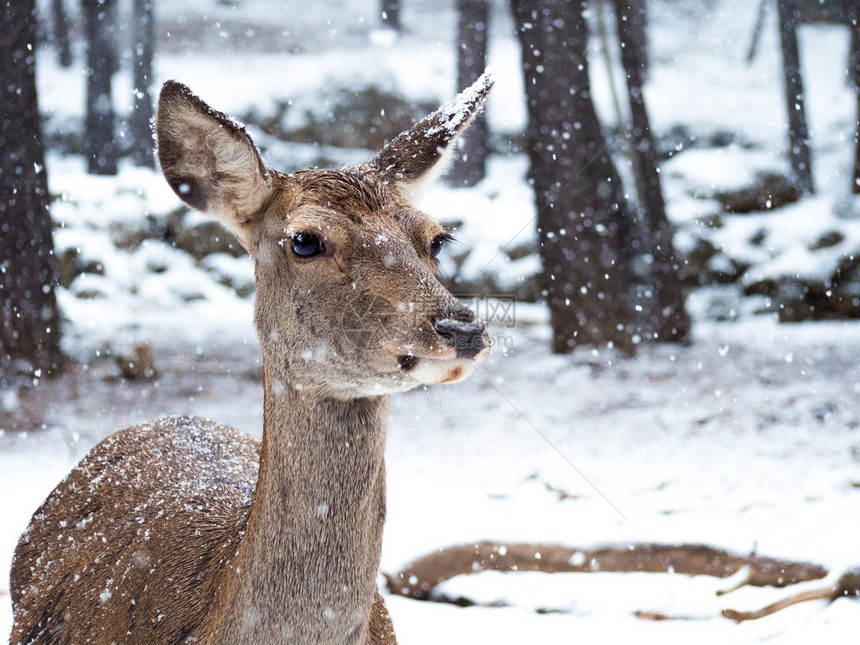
x: 30, y: 320
x: 471, y: 156
x: 582, y: 215
x: 101, y: 148
x: 142, y: 52
x: 798, y: 132
x: 666, y: 319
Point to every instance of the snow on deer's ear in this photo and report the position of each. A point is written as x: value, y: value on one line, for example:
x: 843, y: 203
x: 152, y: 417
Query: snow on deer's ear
x: 416, y: 157
x: 209, y: 160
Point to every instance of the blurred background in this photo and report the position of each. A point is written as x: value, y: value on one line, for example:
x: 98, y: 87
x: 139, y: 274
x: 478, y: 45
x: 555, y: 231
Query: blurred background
x: 658, y: 215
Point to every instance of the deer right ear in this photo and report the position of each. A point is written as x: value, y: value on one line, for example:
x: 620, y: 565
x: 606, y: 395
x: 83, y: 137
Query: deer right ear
x: 414, y: 158
x: 209, y: 160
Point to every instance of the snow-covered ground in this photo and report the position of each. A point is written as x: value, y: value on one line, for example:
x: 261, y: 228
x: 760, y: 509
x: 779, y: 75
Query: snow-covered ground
x: 748, y: 440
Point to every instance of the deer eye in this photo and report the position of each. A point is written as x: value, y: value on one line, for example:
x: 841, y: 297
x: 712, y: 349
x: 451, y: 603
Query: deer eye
x: 438, y: 242
x: 306, y: 245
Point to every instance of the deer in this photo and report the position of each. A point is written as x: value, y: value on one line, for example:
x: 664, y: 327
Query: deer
x: 183, y: 530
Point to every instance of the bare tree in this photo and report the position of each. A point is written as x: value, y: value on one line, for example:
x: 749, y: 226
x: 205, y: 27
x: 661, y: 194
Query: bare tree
x: 666, y: 320
x: 634, y: 14
x: 142, y: 53
x: 30, y: 327
x: 798, y: 131
x: 582, y: 214
x: 471, y: 157
x: 100, y: 145
x: 853, y: 11
x: 62, y: 40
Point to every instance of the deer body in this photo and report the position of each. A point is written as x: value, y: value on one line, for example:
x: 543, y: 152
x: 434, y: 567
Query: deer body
x: 184, y: 530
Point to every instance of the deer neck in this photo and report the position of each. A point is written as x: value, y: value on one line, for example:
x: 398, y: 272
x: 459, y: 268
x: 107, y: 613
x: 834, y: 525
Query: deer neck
x: 306, y: 568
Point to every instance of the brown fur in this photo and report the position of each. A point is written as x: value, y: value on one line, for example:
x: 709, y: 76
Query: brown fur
x: 153, y: 482
x: 183, y: 530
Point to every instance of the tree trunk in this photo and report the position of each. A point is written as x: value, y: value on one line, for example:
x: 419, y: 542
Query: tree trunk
x: 390, y: 14
x: 759, y: 25
x: 798, y: 132
x: 853, y: 13
x: 62, y: 41
x: 582, y: 215
x: 471, y: 155
x: 101, y: 148
x: 30, y: 328
x: 635, y: 16
x: 666, y: 320
x: 142, y: 52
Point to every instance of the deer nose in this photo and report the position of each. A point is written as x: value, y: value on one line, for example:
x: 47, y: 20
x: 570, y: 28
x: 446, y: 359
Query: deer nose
x: 466, y: 338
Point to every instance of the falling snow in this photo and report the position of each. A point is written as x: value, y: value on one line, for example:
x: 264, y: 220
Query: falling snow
x: 748, y: 440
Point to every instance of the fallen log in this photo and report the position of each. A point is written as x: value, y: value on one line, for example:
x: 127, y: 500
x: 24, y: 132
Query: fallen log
x: 420, y: 578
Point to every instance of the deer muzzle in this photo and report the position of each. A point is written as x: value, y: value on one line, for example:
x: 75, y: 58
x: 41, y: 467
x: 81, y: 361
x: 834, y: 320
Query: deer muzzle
x: 468, y: 338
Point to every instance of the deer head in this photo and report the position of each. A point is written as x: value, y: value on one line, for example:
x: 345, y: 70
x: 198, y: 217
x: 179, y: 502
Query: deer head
x: 347, y: 302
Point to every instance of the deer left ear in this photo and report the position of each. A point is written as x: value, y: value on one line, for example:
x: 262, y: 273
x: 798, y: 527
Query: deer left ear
x: 209, y: 160
x: 418, y: 156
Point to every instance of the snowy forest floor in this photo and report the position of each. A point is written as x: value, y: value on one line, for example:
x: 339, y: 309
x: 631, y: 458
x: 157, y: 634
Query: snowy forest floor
x: 749, y: 439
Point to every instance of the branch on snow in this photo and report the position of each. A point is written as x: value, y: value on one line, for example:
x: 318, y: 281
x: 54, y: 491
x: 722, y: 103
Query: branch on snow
x: 847, y: 586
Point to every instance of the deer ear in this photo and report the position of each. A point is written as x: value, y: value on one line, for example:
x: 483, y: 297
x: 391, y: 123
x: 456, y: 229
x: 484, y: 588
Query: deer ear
x: 416, y: 157
x: 208, y: 159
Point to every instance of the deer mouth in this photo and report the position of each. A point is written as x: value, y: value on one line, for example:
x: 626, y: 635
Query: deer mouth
x: 444, y: 367
x: 434, y: 371
x: 407, y: 362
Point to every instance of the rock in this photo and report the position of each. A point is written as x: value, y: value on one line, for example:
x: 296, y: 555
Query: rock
x: 799, y: 299
x: 770, y: 190
x: 70, y: 265
x: 831, y: 238
x: 705, y: 265
x: 333, y: 118
x: 196, y: 236
x: 67, y: 267
x: 712, y: 220
x: 694, y: 263
x: 521, y: 250
x: 765, y: 287
x: 234, y: 273
x: 846, y: 287
x: 137, y: 365
x: 130, y: 235
x: 722, y: 304
x: 722, y: 269
x: 243, y: 288
x: 846, y: 300
x: 204, y: 239
x: 759, y: 237
x: 679, y: 137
